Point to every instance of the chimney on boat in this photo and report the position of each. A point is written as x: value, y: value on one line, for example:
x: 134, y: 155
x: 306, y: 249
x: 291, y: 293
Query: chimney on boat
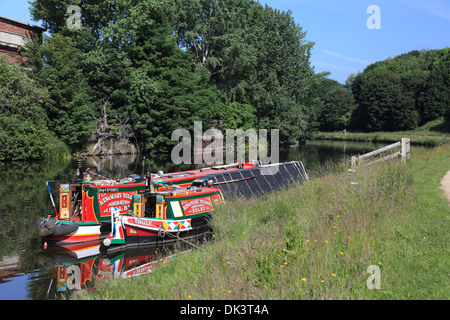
x: 143, y: 168
x: 79, y: 166
x: 148, y: 181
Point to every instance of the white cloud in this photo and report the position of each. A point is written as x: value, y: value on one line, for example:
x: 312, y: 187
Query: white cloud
x: 438, y: 8
x: 344, y: 57
x: 330, y: 67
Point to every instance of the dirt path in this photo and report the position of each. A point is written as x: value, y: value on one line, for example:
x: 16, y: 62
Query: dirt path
x: 445, y: 185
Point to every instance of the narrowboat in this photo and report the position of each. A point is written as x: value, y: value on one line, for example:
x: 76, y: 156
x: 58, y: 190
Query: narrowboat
x: 153, y: 217
x: 164, y: 217
x: 84, y: 213
x: 89, y: 198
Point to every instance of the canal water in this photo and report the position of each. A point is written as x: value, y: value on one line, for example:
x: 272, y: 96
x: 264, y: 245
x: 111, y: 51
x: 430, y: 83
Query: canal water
x: 29, y: 273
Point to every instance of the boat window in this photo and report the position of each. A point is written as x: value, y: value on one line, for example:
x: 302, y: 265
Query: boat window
x: 176, y: 209
x: 199, y: 183
x: 196, y: 184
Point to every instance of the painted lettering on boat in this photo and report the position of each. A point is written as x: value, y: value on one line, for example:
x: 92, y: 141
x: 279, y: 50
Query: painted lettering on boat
x: 120, y: 200
x: 103, y: 190
x: 141, y: 222
x: 196, y: 206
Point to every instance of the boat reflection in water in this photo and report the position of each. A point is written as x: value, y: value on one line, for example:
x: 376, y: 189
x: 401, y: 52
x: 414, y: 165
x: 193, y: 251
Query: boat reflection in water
x: 78, y: 268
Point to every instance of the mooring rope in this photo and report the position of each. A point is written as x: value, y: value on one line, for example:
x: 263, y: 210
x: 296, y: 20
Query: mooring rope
x: 162, y: 234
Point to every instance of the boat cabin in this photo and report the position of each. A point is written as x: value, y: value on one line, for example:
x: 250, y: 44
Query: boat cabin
x: 92, y: 201
x: 177, y: 204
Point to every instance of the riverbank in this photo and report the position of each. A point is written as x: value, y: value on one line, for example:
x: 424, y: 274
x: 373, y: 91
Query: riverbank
x: 318, y: 241
x: 433, y: 133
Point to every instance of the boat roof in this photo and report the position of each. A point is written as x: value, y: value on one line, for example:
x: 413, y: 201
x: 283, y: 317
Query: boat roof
x: 197, y: 173
x: 183, y: 192
x: 169, y: 178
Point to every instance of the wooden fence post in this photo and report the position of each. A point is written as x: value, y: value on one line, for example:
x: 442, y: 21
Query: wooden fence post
x: 405, y: 149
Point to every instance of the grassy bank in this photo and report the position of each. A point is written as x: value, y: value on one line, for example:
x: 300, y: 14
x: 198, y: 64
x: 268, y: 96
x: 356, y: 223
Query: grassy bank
x: 433, y: 133
x: 317, y: 240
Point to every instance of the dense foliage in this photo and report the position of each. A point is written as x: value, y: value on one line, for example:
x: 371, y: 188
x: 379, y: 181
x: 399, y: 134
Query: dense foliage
x: 404, y: 92
x: 256, y: 55
x: 128, y: 74
x: 24, y: 132
x: 138, y: 70
x: 142, y: 69
x: 334, y: 104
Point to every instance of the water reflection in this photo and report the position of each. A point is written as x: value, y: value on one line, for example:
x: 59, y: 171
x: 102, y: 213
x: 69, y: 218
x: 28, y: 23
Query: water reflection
x: 80, y: 269
x: 121, y: 165
x: 316, y: 153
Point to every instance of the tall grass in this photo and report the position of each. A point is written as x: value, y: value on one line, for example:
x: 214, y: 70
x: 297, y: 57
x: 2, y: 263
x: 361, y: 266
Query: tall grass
x: 315, y: 241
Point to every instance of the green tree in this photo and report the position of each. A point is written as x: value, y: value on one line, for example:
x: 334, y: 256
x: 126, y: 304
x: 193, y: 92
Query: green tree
x: 382, y: 104
x: 167, y: 91
x: 256, y: 55
x: 24, y: 134
x: 401, y: 93
x: 338, y: 105
x: 435, y: 97
x: 237, y: 116
x: 149, y: 67
x: 140, y: 83
x: 56, y: 66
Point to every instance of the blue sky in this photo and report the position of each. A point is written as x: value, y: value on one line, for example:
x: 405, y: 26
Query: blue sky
x: 343, y: 43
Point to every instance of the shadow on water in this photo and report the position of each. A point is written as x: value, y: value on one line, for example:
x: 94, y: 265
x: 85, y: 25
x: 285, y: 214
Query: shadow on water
x: 24, y: 271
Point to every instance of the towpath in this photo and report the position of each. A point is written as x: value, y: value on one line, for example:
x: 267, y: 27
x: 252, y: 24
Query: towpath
x: 445, y: 185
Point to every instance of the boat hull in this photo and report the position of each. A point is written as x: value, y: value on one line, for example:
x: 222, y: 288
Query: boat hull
x: 129, y: 232
x: 137, y: 235
x: 84, y: 233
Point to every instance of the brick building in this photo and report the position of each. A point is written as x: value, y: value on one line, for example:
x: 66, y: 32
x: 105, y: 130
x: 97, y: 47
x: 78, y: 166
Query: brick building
x: 13, y: 35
